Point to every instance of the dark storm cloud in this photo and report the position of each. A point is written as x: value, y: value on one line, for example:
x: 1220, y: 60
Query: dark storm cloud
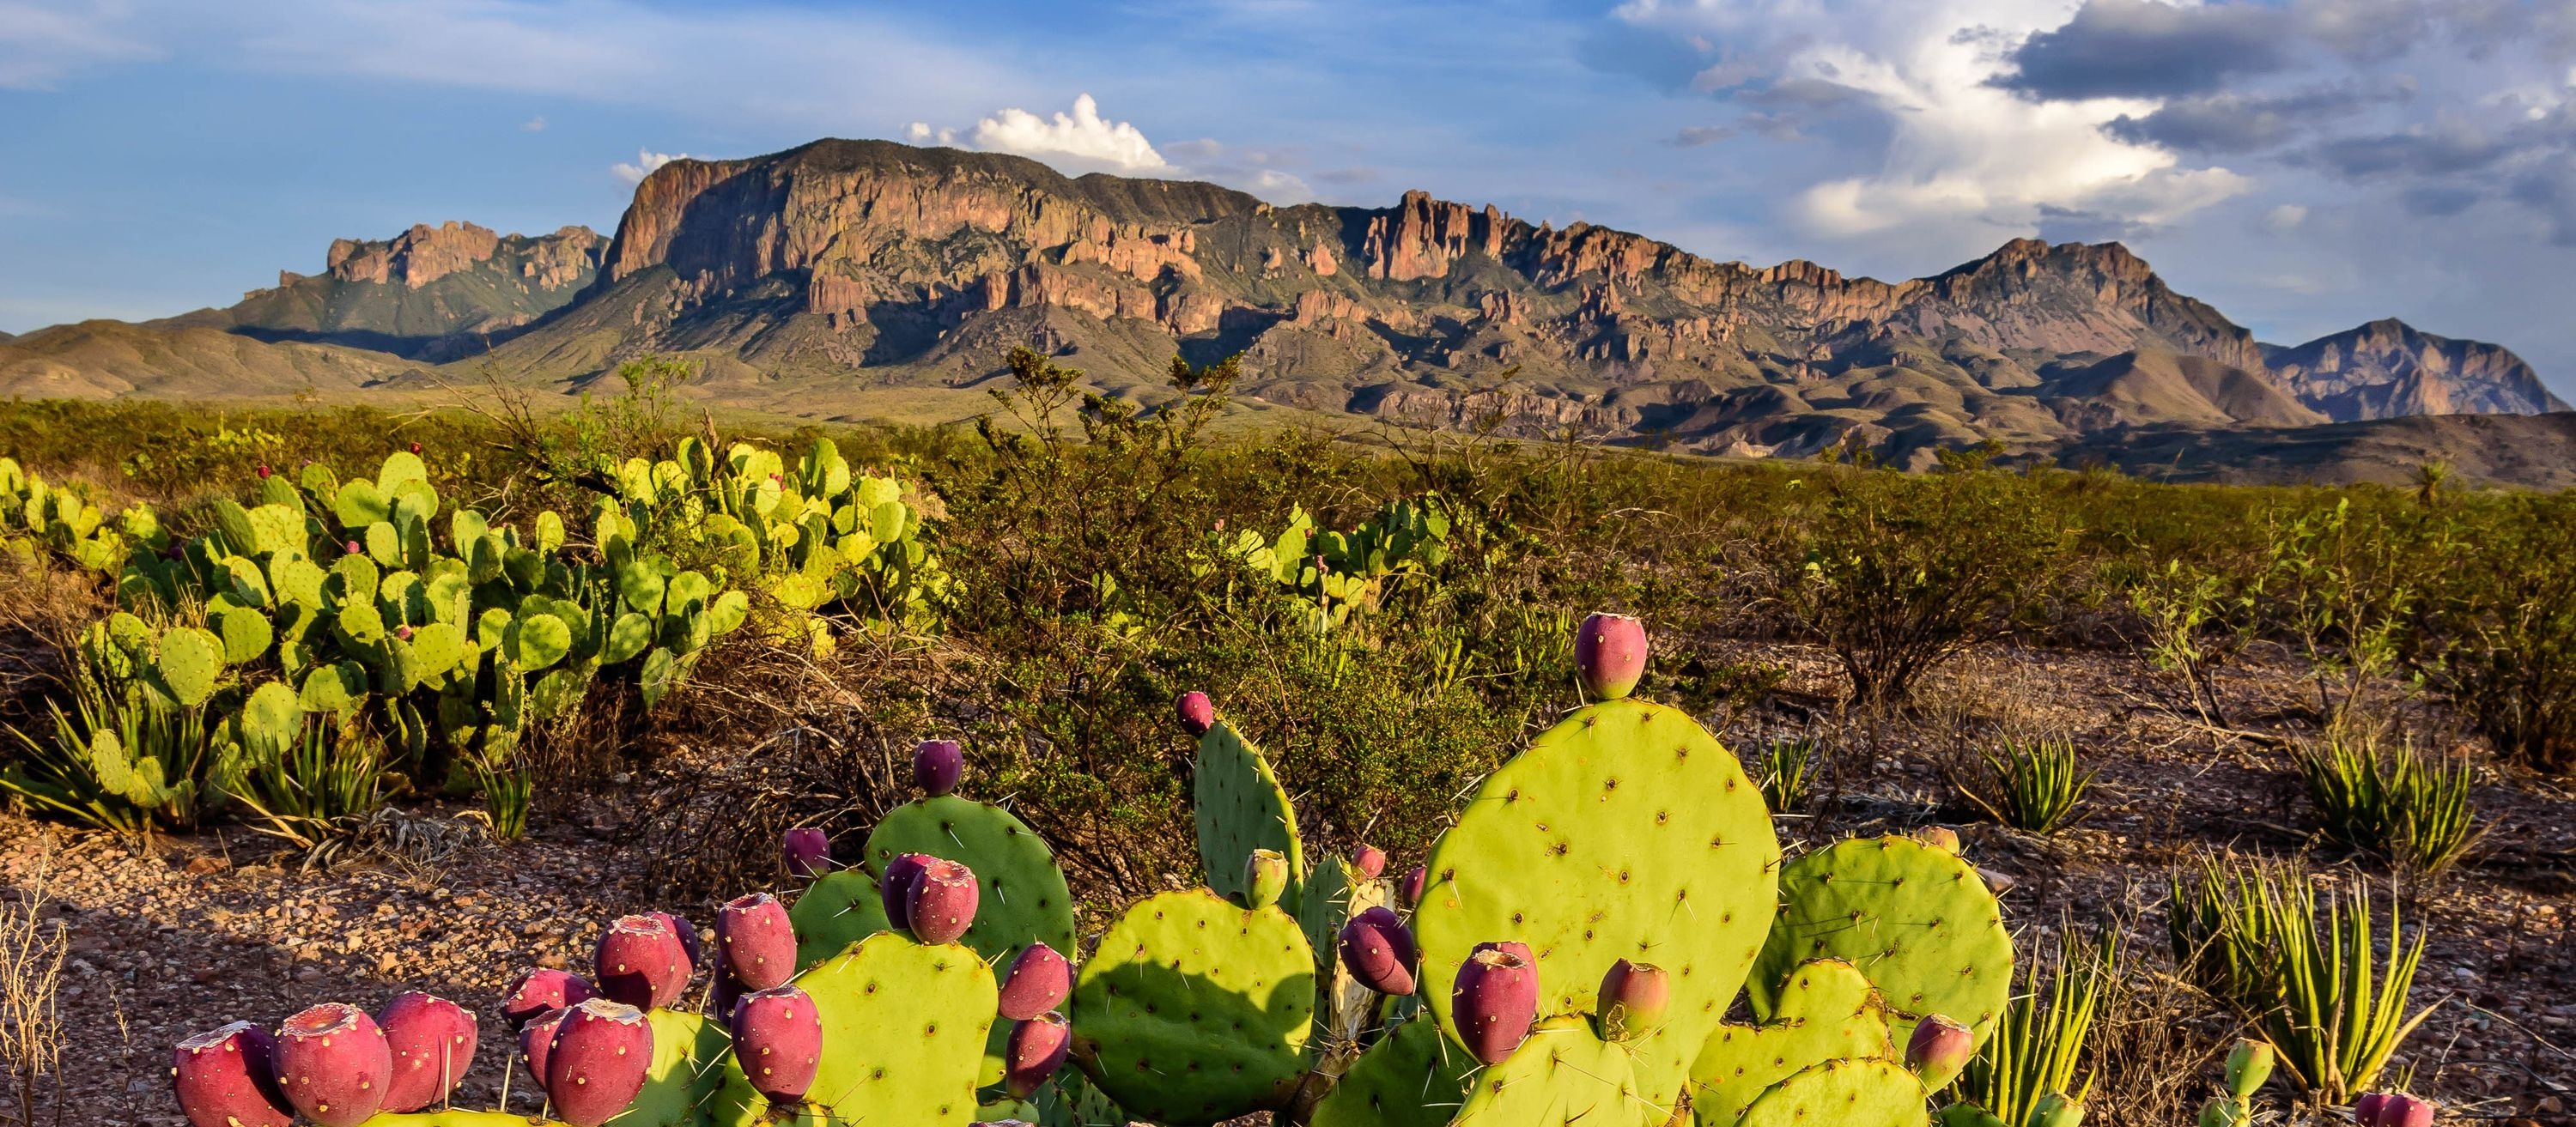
x: 2440, y: 149
x: 2145, y: 49
x: 2239, y: 123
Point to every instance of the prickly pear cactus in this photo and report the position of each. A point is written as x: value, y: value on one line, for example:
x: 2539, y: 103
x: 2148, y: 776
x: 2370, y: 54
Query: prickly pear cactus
x: 836, y: 911
x: 1827, y: 1010
x: 1193, y: 1010
x: 1862, y: 1093
x: 1563, y: 1076
x: 455, y: 1117
x: 1412, y: 1077
x: 903, y: 1032
x: 1917, y: 920
x: 1240, y: 807
x: 685, y: 1086
x: 1966, y: 1115
x: 1335, y: 891
x: 1625, y: 831
x: 1022, y: 898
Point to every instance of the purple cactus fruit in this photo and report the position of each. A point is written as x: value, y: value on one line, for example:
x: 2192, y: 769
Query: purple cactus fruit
x: 1610, y: 653
x: 433, y: 1044
x: 688, y: 933
x: 1035, y: 1052
x: 2402, y: 1110
x: 755, y: 942
x: 263, y: 471
x: 896, y: 890
x: 537, y: 1038
x: 641, y: 963
x: 942, y: 906
x: 778, y: 1040
x: 415, y: 448
x: 1633, y: 1000
x: 937, y: 765
x: 353, y: 548
x: 808, y: 851
x: 1495, y: 1000
x: 2365, y: 1111
x: 403, y: 632
x: 1938, y: 1049
x: 1414, y: 883
x: 540, y: 990
x: 223, y: 1079
x: 1198, y: 713
x: 1370, y: 861
x: 1378, y: 951
x: 333, y: 1064
x: 1038, y: 981
x: 722, y: 995
x: 597, y: 1063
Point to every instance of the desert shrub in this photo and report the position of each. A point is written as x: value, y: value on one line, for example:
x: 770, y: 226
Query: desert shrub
x: 126, y: 758
x: 2196, y: 622
x: 2396, y: 802
x: 33, y: 948
x: 2342, y: 588
x: 2033, y: 785
x: 2502, y: 626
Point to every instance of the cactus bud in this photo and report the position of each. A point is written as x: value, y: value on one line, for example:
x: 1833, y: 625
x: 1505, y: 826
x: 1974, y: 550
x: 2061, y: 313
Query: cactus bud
x: 1038, y: 981
x: 540, y: 990
x: 2249, y: 1064
x: 415, y: 448
x: 937, y: 765
x: 1369, y: 861
x: 2218, y: 1112
x: 1495, y: 1000
x: 1938, y: 1049
x: 597, y: 1063
x: 223, y: 1078
x: 639, y: 962
x: 433, y: 1044
x: 1942, y: 838
x: 2402, y: 1110
x: 1414, y: 883
x: 755, y: 941
x: 2056, y: 1110
x: 1035, y: 1052
x: 352, y: 548
x: 403, y: 632
x: 263, y: 472
x: 1265, y: 878
x: 1610, y: 653
x: 333, y: 1064
x: 895, y: 892
x: 1633, y: 999
x: 942, y: 905
x: 1378, y: 951
x: 1198, y: 713
x: 778, y: 1041
x: 808, y: 852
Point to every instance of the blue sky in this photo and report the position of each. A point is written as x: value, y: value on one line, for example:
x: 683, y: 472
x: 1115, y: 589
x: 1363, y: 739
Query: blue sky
x: 2306, y: 165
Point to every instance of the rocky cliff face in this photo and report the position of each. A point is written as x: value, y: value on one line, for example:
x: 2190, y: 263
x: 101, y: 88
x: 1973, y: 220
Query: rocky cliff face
x: 428, y: 293
x: 2387, y: 369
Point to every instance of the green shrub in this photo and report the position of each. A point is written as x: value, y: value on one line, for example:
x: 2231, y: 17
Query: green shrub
x: 2035, y: 786
x: 2398, y: 803
x: 2503, y: 629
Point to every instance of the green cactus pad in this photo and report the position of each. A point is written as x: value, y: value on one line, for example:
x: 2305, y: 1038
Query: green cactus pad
x: 246, y: 632
x: 1240, y: 807
x: 1965, y: 1115
x: 336, y: 688
x: 837, y: 910
x: 538, y: 640
x: 1022, y: 898
x: 1413, y: 1077
x: 682, y: 1083
x: 1864, y: 1093
x: 903, y: 1032
x: 459, y: 1117
x: 1624, y: 832
x: 1827, y: 1010
x: 1194, y: 1011
x: 191, y: 661
x: 1917, y: 920
x: 276, y: 529
x: 1563, y: 1076
x: 295, y: 579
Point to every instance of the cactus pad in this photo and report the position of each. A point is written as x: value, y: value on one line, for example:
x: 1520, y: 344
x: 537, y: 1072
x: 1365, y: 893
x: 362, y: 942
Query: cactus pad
x: 191, y: 660
x: 1875, y: 1093
x: 682, y: 1082
x: 1021, y: 898
x: 836, y: 911
x: 1624, y: 832
x: 1827, y: 1010
x: 1917, y: 920
x: 903, y: 1032
x: 1563, y: 1076
x: 1240, y: 807
x: 1965, y: 1115
x: 1193, y: 1010
x: 1413, y: 1077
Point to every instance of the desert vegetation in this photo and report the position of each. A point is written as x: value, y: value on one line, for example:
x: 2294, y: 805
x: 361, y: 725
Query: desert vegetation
x: 2167, y: 803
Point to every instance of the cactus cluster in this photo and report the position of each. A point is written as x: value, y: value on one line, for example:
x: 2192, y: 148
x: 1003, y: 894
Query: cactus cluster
x: 1328, y: 575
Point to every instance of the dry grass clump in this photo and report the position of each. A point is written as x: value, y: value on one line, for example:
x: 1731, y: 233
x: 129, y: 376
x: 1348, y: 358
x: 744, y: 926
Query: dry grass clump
x: 32, y: 949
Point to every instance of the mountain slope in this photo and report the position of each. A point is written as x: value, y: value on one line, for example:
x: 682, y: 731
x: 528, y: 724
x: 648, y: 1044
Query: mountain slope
x: 108, y: 359
x: 2387, y: 369
x: 429, y: 293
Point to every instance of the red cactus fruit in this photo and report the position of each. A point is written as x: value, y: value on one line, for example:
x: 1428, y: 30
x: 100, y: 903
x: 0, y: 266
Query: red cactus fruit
x: 2365, y: 1111
x: 537, y: 1038
x: 778, y: 1040
x: 403, y: 632
x: 1037, y: 982
x: 1938, y: 1049
x: 1198, y: 713
x: 896, y: 890
x: 1610, y: 654
x: 755, y: 942
x: 1378, y: 951
x: 352, y: 548
x: 263, y: 472
x: 597, y: 1063
x: 808, y: 852
x: 1414, y: 882
x: 2402, y: 1110
x: 433, y: 1044
x: 539, y: 990
x: 333, y: 1064
x: 937, y: 765
x: 943, y: 902
x: 1495, y: 1000
x: 415, y: 448
x: 1035, y: 1052
x: 688, y: 933
x: 1634, y: 998
x: 223, y: 1079
x: 1370, y: 861
x: 641, y: 963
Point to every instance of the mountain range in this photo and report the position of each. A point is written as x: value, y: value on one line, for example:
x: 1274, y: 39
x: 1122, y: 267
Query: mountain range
x: 848, y: 279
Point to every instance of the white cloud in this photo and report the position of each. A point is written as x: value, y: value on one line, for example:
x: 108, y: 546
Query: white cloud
x: 2286, y: 217
x: 535, y: 124
x: 1081, y: 137
x: 646, y: 160
x: 43, y: 42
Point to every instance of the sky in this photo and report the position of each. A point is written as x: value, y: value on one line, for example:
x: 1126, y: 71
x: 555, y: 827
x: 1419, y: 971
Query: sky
x: 2304, y: 165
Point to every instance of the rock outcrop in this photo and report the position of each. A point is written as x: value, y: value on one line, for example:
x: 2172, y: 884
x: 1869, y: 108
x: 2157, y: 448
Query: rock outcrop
x: 429, y: 293
x: 2387, y: 369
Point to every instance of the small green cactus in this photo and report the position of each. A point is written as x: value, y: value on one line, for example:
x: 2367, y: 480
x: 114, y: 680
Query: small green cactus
x: 1193, y: 1010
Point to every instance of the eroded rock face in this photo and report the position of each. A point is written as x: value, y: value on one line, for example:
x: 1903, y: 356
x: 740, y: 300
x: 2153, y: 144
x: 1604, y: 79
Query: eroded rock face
x: 2387, y: 369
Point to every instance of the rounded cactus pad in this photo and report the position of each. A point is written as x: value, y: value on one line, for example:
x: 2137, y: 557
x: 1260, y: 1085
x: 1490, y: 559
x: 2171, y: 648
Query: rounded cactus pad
x: 840, y: 909
x: 1240, y: 807
x: 1827, y: 1011
x: 1966, y: 1115
x: 1916, y: 919
x: 223, y: 1079
x: 1563, y: 1076
x: 904, y: 1027
x: 1624, y: 832
x: 1879, y: 1093
x: 1021, y: 896
x: 1193, y: 1010
x: 1412, y: 1077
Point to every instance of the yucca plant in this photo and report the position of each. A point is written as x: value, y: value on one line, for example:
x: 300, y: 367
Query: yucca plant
x: 319, y: 787
x: 2401, y: 804
x: 2035, y: 786
x: 2310, y: 978
x: 508, y: 787
x: 2040, y: 1034
x: 125, y: 759
x: 1786, y: 771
